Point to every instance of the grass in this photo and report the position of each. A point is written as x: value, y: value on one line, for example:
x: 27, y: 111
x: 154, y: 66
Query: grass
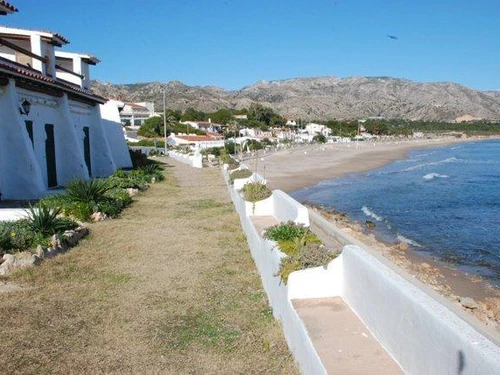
x: 151, y: 292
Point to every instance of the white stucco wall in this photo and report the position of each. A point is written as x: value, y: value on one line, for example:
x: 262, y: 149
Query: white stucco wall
x: 420, y: 332
x: 20, y: 173
x: 113, y: 130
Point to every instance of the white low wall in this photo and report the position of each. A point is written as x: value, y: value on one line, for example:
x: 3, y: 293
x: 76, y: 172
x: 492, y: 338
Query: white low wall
x: 421, y: 334
x: 286, y: 208
x: 192, y: 160
x: 267, y: 260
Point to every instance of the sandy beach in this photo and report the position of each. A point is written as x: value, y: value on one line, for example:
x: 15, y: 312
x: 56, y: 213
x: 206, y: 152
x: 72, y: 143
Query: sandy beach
x: 289, y: 170
x: 292, y: 169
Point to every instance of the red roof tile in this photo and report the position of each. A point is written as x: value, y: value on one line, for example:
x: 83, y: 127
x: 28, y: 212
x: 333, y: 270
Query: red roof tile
x: 197, y: 138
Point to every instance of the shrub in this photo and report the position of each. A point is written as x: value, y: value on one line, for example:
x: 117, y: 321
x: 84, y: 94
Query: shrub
x: 93, y: 190
x: 308, y: 256
x: 255, y: 191
x: 285, y: 231
x: 240, y: 173
x: 46, y: 222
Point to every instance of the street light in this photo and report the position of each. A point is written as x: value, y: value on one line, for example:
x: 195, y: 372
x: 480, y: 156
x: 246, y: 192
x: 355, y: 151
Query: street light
x: 164, y: 125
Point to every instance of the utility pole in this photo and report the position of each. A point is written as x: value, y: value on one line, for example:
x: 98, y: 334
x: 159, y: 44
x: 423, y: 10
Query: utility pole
x: 164, y: 124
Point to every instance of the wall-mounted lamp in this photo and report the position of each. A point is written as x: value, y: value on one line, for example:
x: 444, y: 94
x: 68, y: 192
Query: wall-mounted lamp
x: 25, y: 107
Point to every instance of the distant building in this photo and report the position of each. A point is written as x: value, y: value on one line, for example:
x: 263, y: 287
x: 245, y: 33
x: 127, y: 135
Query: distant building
x: 206, y: 126
x: 134, y: 114
x: 196, y: 142
x: 314, y: 129
x: 53, y: 129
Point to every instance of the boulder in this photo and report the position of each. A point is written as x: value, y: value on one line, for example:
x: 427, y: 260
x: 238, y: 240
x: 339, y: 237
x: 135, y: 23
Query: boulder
x: 468, y: 303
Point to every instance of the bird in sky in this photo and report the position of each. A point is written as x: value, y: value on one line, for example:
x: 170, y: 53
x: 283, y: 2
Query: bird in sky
x: 392, y: 37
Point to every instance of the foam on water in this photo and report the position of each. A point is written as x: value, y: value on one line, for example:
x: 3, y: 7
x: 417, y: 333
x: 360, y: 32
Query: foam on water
x: 432, y: 176
x: 371, y: 214
x: 402, y: 238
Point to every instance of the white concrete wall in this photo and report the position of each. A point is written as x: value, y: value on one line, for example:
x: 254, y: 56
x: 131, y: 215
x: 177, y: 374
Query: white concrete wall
x: 195, y: 161
x: 20, y: 173
x: 103, y: 164
x: 267, y: 260
x: 286, y: 208
x: 113, y: 130
x: 421, y: 334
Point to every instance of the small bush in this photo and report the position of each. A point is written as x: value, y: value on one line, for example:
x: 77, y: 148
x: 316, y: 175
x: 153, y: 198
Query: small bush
x: 255, y: 191
x: 240, y: 173
x: 285, y: 231
x: 45, y: 220
x: 93, y: 190
x: 308, y: 256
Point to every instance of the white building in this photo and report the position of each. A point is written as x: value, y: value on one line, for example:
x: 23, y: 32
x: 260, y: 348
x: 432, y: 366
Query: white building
x: 206, y: 126
x: 52, y: 127
x: 314, y: 129
x: 134, y: 114
x: 195, y: 142
x: 6, y: 8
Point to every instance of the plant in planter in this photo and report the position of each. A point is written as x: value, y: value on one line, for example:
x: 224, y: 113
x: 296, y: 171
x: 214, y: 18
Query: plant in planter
x: 303, y: 249
x: 254, y: 192
x: 308, y: 256
x: 240, y: 173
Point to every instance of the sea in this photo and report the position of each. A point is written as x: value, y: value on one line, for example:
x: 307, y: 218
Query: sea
x: 444, y: 202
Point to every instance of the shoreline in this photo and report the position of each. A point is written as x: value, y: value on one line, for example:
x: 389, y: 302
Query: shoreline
x: 294, y: 169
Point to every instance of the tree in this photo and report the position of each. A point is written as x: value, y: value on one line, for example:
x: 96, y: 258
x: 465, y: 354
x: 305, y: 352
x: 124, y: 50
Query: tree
x: 192, y: 114
x: 151, y: 127
x: 222, y: 116
x: 319, y: 138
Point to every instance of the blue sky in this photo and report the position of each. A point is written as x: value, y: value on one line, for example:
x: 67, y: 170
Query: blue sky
x: 234, y: 43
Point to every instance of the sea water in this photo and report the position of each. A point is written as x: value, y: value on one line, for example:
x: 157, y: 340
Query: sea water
x: 444, y: 202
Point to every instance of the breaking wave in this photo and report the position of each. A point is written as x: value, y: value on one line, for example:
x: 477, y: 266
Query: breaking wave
x: 371, y: 214
x: 432, y: 176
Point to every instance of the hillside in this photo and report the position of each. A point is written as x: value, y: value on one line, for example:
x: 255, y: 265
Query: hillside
x: 324, y: 98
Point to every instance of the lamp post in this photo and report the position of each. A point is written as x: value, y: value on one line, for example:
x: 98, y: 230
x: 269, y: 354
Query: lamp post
x: 164, y: 125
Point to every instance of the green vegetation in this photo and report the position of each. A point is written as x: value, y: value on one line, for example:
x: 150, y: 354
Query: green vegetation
x: 308, y: 255
x: 255, y: 191
x: 37, y: 229
x: 109, y: 196
x: 240, y: 173
x: 303, y: 249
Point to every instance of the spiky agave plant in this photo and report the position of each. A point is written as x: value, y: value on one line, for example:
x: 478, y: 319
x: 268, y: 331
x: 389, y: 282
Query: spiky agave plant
x: 93, y: 190
x: 45, y: 220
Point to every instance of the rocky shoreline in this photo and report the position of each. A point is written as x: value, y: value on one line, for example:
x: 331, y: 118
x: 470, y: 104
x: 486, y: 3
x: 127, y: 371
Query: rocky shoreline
x: 473, y: 294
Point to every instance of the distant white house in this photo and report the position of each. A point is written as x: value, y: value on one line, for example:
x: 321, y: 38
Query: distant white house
x: 314, y: 129
x: 134, y: 114
x: 206, y: 126
x: 251, y: 132
x: 195, y: 142
x: 52, y: 127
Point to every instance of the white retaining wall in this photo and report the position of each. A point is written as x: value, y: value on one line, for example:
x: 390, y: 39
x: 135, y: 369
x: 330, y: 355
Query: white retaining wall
x: 192, y: 160
x: 267, y: 260
x: 421, y: 334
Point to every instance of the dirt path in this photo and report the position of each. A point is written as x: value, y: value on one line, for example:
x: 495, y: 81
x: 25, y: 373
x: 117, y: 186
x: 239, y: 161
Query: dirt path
x: 168, y: 288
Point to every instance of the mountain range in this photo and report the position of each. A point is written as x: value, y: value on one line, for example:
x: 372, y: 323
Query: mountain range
x: 323, y: 98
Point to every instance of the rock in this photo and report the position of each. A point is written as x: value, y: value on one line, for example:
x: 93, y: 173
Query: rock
x: 8, y: 259
x: 132, y: 192
x: 35, y: 260
x: 40, y: 252
x: 153, y: 180
x: 370, y: 224
x: 468, y: 303
x: 98, y: 216
x: 426, y: 266
x: 403, y: 246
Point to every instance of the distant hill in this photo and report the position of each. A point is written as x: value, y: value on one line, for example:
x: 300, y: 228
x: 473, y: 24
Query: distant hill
x: 324, y: 98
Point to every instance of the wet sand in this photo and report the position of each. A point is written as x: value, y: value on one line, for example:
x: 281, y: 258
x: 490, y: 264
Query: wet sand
x: 289, y: 170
